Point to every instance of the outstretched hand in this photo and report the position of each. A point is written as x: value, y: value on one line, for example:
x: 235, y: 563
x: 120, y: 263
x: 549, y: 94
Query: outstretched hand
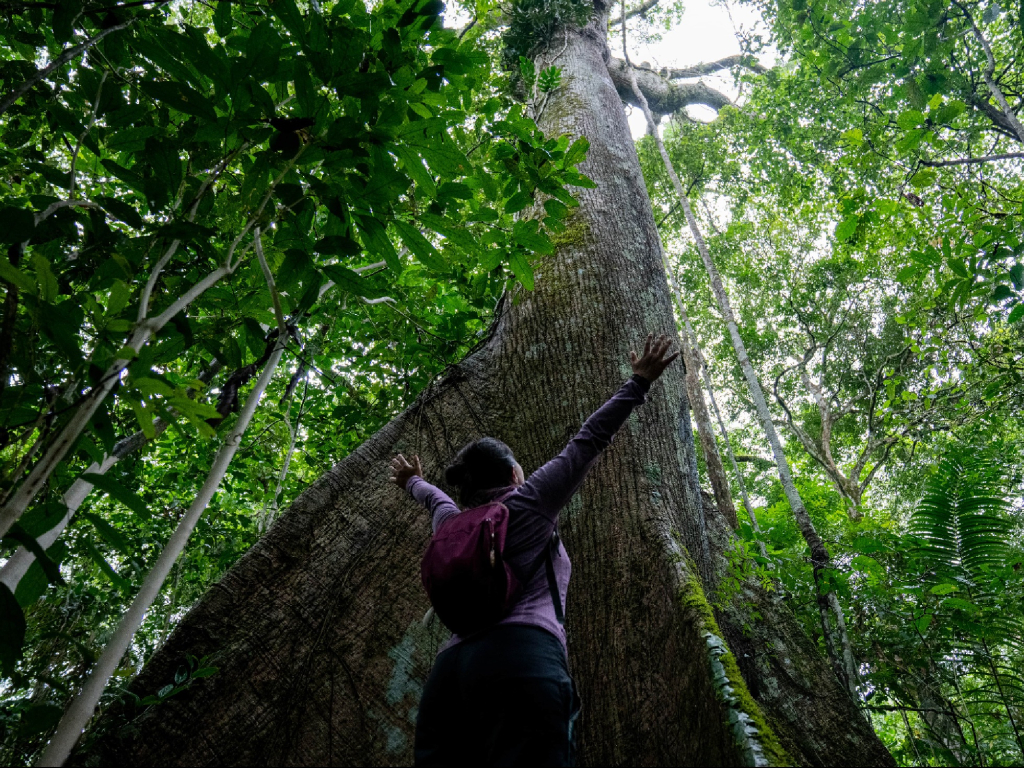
x: 653, y: 361
x: 402, y: 471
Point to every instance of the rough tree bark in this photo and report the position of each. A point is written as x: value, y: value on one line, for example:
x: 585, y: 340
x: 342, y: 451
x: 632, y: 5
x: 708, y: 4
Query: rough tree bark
x: 318, y: 631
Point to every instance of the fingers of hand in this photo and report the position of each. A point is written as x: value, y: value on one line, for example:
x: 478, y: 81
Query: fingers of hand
x: 647, y: 344
x: 663, y: 347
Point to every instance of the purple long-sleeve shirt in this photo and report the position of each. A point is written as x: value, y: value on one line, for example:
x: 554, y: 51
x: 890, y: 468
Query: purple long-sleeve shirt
x: 534, y: 506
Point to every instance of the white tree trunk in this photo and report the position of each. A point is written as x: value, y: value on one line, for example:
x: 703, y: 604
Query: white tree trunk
x: 820, y: 557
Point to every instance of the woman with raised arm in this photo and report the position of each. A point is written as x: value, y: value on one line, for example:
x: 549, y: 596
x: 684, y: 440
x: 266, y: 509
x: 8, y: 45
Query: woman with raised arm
x: 503, y: 696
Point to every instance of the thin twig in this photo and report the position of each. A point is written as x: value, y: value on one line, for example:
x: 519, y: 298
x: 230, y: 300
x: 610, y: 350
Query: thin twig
x: 972, y: 160
x: 78, y: 146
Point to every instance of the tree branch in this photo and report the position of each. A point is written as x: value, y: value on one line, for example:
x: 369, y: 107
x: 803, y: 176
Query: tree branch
x: 989, y: 74
x: 64, y: 58
x: 639, y: 11
x: 972, y: 160
x: 78, y: 146
x: 663, y: 97
x: 54, y: 207
x: 710, y: 67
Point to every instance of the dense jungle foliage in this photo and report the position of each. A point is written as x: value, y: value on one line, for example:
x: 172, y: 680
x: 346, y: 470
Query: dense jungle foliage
x: 864, y: 200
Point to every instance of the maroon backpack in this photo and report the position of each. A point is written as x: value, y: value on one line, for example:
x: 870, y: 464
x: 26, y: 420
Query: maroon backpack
x: 468, y: 580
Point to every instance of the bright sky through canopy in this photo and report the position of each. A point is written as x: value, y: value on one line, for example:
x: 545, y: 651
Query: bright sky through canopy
x: 705, y: 33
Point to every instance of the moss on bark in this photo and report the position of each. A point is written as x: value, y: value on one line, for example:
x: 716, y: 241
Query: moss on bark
x: 753, y: 734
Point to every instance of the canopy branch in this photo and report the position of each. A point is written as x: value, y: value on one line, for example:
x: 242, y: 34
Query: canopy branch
x: 973, y: 160
x: 710, y: 67
x: 663, y: 97
x: 638, y: 11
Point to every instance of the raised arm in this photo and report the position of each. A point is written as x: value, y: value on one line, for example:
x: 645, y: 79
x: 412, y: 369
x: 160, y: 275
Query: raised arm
x: 410, y: 476
x: 551, y: 486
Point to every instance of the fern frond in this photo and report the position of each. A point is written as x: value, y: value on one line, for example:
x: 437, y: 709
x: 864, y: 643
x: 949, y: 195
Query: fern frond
x: 961, y: 520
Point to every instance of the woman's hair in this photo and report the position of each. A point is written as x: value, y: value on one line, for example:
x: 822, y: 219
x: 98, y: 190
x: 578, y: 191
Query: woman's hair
x: 482, y: 464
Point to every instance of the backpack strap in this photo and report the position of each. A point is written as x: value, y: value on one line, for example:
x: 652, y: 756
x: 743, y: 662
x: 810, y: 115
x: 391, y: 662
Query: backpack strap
x: 556, y: 599
x: 546, y: 560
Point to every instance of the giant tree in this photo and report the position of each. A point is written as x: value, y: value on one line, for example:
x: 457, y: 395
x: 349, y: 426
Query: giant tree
x: 317, y: 632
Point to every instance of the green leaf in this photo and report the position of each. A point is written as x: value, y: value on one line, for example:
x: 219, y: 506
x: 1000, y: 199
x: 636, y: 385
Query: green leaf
x: 847, y: 227
x: 854, y: 137
x: 64, y: 16
x: 351, y: 281
x: 46, y: 281
x: 109, y: 533
x: 118, y: 492
x: 518, y: 202
x: 145, y: 417
x: 527, y: 234
x: 908, y: 273
x: 377, y: 242
x: 1016, y: 313
x: 574, y: 179
x: 923, y: 623
x: 1001, y: 293
x: 345, y: 278
x: 948, y: 112
x: 304, y: 90
x: 451, y: 230
x: 33, y: 584
x: 222, y: 18
x: 420, y: 247
x: 181, y: 97
x: 943, y: 589
x: 129, y: 177
x: 909, y: 119
x: 550, y: 79
x: 959, y: 268
x: 413, y: 166
x: 108, y: 570
x: 576, y: 154
x: 18, y: 534
x: 522, y: 270
x: 867, y: 564
x: 958, y: 603
x: 12, y: 631
x: 42, y: 517
x: 924, y: 178
x: 556, y: 209
x: 1017, y: 276
x: 121, y: 210
x: 14, y: 275
x: 337, y: 245
x: 454, y: 191
x: 286, y: 11
x: 527, y: 70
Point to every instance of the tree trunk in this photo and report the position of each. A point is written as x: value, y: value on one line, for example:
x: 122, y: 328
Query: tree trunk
x: 712, y: 459
x: 318, y: 632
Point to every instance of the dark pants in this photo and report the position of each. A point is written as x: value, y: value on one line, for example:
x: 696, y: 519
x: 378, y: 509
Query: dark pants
x: 503, y: 698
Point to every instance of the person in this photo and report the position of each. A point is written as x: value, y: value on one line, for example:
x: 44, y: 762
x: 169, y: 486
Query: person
x: 504, y: 696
